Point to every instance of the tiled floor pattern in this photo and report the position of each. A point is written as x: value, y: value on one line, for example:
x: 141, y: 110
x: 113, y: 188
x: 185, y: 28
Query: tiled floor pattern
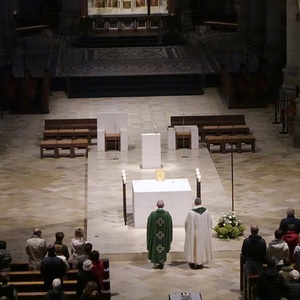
x: 63, y: 194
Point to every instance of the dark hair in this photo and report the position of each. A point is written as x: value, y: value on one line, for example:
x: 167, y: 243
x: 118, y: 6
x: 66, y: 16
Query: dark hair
x: 271, y: 263
x: 278, y: 234
x: 87, y: 247
x: 90, y: 287
x: 94, y: 295
x: 51, y: 249
x: 59, y: 236
x: 287, y: 262
x: 2, y: 245
x: 291, y: 227
x: 4, y: 277
x: 94, y: 255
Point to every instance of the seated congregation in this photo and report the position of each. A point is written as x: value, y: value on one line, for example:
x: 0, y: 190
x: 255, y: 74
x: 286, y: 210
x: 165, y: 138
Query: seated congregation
x: 52, y: 272
x: 272, y: 271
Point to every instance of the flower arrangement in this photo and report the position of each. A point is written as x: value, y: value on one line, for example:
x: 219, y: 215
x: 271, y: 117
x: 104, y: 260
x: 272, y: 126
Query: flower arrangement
x: 229, y: 226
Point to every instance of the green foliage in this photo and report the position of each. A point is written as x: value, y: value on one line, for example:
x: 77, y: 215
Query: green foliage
x: 229, y: 226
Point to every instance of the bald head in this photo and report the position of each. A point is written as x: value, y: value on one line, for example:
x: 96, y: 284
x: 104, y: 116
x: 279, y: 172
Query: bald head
x: 290, y: 212
x: 254, y: 229
x: 160, y: 204
x: 198, y: 201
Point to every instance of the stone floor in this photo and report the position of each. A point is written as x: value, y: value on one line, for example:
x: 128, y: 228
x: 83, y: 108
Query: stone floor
x: 64, y: 194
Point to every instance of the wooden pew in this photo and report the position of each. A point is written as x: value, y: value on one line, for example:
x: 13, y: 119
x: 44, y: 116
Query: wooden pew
x: 41, y: 295
x: 207, y: 120
x: 239, y: 141
x: 58, y: 145
x: 220, y: 25
x: 36, y: 275
x: 223, y: 130
x: 74, y: 124
x: 29, y: 284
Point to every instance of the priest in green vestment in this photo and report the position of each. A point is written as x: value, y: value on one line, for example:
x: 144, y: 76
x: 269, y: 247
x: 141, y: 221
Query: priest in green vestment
x: 198, y: 236
x: 159, y: 235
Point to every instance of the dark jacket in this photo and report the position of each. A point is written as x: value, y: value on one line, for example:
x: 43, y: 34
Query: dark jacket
x: 64, y: 249
x: 52, y: 267
x: 254, y: 248
x: 270, y: 285
x: 287, y: 221
x: 293, y: 290
x: 9, y: 291
x: 83, y: 278
x: 56, y: 294
x: 5, y: 260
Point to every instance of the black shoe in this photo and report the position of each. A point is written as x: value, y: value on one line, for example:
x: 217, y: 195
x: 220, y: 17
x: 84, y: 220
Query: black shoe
x: 192, y: 266
x: 200, y: 266
x: 160, y: 266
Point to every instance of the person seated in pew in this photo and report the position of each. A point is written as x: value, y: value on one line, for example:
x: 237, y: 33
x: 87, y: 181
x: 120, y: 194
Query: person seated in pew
x: 88, y: 247
x: 97, y: 268
x: 292, y: 239
x: 278, y: 249
x: 84, y: 276
x: 56, y: 293
x: 59, y: 254
x: 59, y: 236
x: 290, y: 219
x: 293, y: 287
x: 36, y: 248
x: 5, y: 257
x: 90, y: 291
x: 270, y: 284
x: 52, y: 267
x: 286, y: 270
x: 77, y: 246
x: 7, y: 290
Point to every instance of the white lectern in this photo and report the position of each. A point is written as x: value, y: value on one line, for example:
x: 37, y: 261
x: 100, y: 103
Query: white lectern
x: 151, y: 151
x: 176, y: 193
x: 112, y: 123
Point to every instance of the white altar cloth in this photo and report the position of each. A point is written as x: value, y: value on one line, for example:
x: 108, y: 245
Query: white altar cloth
x: 176, y: 193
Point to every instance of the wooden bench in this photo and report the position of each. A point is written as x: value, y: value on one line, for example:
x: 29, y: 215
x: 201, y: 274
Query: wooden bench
x: 41, y: 295
x: 239, y: 141
x: 77, y: 125
x: 36, y: 275
x: 30, y: 285
x: 31, y: 29
x: 221, y: 25
x: 207, y: 120
x: 57, y: 145
x: 73, y: 134
x: 224, y: 129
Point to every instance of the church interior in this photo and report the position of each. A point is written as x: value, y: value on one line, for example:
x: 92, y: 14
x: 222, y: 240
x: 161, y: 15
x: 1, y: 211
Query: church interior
x: 151, y: 60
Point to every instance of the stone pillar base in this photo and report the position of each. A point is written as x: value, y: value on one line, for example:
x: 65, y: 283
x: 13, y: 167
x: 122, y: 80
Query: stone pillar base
x: 296, y: 133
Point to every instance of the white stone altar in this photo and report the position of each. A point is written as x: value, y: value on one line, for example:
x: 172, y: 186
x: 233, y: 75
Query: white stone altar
x: 151, y: 151
x: 112, y: 123
x: 193, y: 129
x: 176, y: 193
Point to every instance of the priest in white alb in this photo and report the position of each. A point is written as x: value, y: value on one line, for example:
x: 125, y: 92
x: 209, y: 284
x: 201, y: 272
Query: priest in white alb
x: 198, y: 236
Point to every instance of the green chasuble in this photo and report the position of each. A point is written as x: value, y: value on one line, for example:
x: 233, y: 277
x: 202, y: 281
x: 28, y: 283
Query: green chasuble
x: 159, y: 235
x: 199, y: 210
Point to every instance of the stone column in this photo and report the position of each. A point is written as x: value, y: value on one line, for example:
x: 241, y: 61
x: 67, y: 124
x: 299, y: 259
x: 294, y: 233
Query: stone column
x: 7, y: 31
x: 243, y: 19
x: 257, y: 28
x: 69, y: 18
x: 273, y: 46
x: 296, y: 133
x: 292, y: 11
x: 291, y: 70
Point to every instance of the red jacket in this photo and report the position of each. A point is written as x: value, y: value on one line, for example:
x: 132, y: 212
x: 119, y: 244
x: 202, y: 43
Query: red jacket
x: 292, y: 239
x: 98, y: 269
